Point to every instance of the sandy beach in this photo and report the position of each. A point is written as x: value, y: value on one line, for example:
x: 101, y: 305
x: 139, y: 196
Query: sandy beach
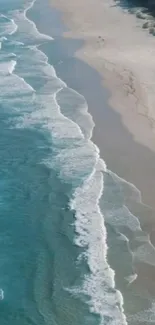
x: 122, y: 52
x: 100, y: 51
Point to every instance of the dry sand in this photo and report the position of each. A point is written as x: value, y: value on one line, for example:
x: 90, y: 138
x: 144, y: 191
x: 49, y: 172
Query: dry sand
x: 123, y: 53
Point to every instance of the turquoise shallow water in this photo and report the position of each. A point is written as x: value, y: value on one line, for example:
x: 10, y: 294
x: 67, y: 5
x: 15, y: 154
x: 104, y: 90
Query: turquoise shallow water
x: 53, y: 241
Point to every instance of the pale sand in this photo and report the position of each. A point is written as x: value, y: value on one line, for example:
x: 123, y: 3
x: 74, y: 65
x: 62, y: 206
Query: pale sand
x: 124, y: 55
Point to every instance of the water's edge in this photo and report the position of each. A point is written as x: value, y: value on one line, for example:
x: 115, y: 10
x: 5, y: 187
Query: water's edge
x: 73, y: 225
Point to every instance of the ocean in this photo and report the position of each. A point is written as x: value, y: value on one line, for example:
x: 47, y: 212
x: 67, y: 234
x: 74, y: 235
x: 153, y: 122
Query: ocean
x: 69, y: 243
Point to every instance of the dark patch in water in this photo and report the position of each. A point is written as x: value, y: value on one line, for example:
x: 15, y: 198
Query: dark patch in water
x: 146, y: 7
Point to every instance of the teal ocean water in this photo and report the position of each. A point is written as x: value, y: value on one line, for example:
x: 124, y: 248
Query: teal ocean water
x: 60, y: 207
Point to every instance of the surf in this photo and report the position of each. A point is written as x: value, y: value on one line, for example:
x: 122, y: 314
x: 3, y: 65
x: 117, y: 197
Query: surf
x: 43, y: 105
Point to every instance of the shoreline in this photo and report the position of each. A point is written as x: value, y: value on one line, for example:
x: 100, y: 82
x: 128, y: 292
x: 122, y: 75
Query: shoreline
x: 119, y: 98
x: 122, y: 155
x: 117, y: 146
x: 130, y: 160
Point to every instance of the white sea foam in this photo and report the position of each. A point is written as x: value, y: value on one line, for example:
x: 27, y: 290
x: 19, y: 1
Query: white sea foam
x: 9, y: 27
x: 72, y: 159
x: 131, y: 278
x: 12, y: 66
x: 3, y: 38
x: 15, y: 27
x: 74, y: 106
x: 7, y: 57
x: 16, y: 43
x: 123, y: 237
x: 33, y: 24
x: 123, y: 217
x: 28, y: 29
x: 1, y: 294
x: 15, y: 84
x: 7, y: 67
x: 47, y: 68
x: 48, y: 114
x: 104, y: 299
x: 74, y: 156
